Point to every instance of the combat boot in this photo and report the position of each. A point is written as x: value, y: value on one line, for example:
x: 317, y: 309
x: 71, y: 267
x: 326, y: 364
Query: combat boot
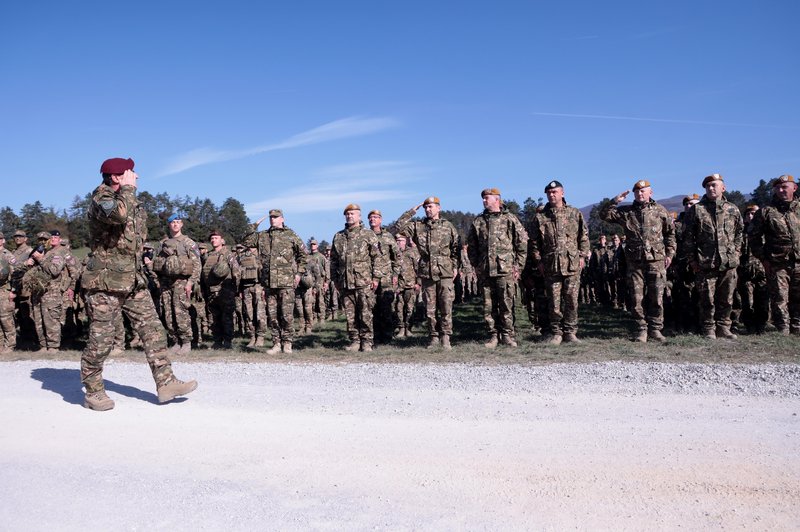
x: 355, y: 345
x: 657, y: 336
x: 641, y: 337
x: 509, y: 340
x: 227, y: 344
x: 409, y: 334
x: 709, y: 334
x: 174, y: 388
x: 572, y: 337
x: 725, y: 332
x: 252, y: 343
x: 287, y: 348
x: 400, y: 332
x: 275, y: 349
x: 98, y: 401
x: 259, y: 341
x: 446, y: 343
x: 185, y: 349
x: 554, y: 339
x: 434, y: 343
x: 492, y: 343
x: 117, y: 351
x: 366, y: 347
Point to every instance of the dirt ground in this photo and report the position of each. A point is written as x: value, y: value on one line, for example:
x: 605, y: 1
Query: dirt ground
x: 623, y: 446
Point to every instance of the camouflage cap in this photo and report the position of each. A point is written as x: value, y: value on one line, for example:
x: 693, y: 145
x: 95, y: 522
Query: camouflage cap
x: 400, y: 236
x: 375, y: 212
x: 490, y: 192
x: 147, y: 245
x: 751, y: 208
x: 431, y: 199
x: 786, y: 178
x: 553, y: 184
x: 312, y: 241
x: 710, y: 178
x: 351, y: 207
x: 202, y: 245
x: 43, y: 235
x: 642, y: 183
x: 275, y: 213
x: 690, y: 197
x: 214, y: 232
x: 20, y: 232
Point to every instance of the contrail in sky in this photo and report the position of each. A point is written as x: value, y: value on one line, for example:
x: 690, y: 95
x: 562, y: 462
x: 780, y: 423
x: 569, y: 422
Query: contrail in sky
x: 666, y: 120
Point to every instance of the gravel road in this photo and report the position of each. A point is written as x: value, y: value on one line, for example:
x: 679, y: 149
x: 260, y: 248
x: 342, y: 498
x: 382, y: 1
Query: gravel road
x: 400, y: 446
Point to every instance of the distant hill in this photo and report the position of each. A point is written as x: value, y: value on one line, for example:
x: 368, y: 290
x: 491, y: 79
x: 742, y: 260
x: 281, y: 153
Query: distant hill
x: 672, y: 204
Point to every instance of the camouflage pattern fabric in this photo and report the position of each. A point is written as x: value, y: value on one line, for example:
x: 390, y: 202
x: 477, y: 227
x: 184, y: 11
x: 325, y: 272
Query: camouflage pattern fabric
x: 752, y: 289
x: 220, y: 277
x: 358, y: 304
x: 175, y: 304
x: 254, y: 310
x: 280, y: 314
x: 389, y: 264
x: 8, y: 328
x: 59, y: 268
x: 282, y: 255
x: 321, y: 282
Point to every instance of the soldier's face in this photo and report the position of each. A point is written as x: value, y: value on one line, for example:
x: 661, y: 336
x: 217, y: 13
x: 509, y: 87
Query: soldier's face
x: 314, y: 248
x: 785, y: 191
x: 432, y: 210
x: 616, y: 241
x: 276, y: 221
x: 55, y: 241
x: 603, y: 240
x: 749, y: 215
x: 375, y: 221
x: 643, y: 194
x: 216, y: 241
x: 555, y: 196
x: 491, y: 202
x: 401, y: 243
x: 352, y: 217
x: 714, y: 189
x: 20, y: 240
x: 175, y: 226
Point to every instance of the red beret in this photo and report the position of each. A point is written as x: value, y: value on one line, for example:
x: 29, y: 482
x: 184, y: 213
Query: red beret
x: 116, y: 166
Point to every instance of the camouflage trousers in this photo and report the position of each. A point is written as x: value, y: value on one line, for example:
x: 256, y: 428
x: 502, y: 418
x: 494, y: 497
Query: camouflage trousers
x: 332, y: 300
x: 220, y: 306
x: 105, y: 311
x: 8, y: 326
x: 383, y: 313
x: 254, y: 312
x: 784, y: 289
x: 358, y: 305
x: 646, y: 283
x: 753, y: 296
x: 715, y: 289
x: 175, y: 305
x: 438, y: 297
x: 320, y: 312
x: 304, y: 304
x: 562, y: 303
x: 280, y: 314
x: 498, y: 305
x: 48, y: 312
x: 404, y: 302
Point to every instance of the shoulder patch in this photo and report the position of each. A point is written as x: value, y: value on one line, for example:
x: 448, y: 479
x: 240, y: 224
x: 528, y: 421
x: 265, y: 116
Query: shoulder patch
x: 107, y: 206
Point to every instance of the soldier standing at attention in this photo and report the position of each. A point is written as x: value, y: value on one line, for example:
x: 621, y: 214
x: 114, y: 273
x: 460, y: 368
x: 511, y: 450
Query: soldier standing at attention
x: 8, y: 328
x: 220, y: 276
x: 177, y: 284
x: 497, y: 246
x: 354, y: 270
x: 321, y: 281
x: 752, y: 282
x: 438, y: 244
x: 114, y: 284
x: 712, y: 236
x: 22, y: 301
x: 254, y: 314
x: 775, y: 239
x: 649, y: 249
x: 408, y: 286
x: 559, y: 249
x: 283, y: 262
x: 389, y: 266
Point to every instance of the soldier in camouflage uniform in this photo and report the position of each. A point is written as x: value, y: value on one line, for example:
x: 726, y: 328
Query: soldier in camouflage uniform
x: 332, y: 293
x: 712, y: 236
x: 254, y: 312
x: 497, y: 245
x: 304, y: 296
x: 469, y: 281
x: 408, y: 286
x: 56, y: 271
x: 684, y: 291
x: 775, y: 240
x: 389, y: 265
x: 114, y: 284
x: 559, y: 249
x: 8, y: 326
x: 752, y: 282
x: 283, y: 262
x: 220, y: 277
x: 649, y: 249
x: 22, y: 300
x: 437, y: 242
x: 598, y: 270
x: 354, y: 271
x: 321, y: 281
x: 178, y: 284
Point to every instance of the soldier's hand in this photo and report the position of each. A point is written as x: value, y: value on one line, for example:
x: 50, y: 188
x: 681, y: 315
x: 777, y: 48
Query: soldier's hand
x: 188, y: 289
x: 11, y: 296
x: 148, y: 262
x: 667, y: 262
x: 128, y: 178
x: 418, y: 206
x: 296, y: 280
x: 621, y: 196
x: 394, y: 282
x: 373, y: 285
x: 261, y: 220
x: 71, y: 295
x: 582, y: 263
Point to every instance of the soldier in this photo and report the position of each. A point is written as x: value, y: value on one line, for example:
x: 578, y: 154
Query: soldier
x: 332, y: 302
x: 8, y: 327
x: 496, y: 245
x: 201, y: 317
x: 321, y: 280
x: 283, y: 262
x: 178, y: 277
x: 752, y: 282
x: 712, y: 236
x: 354, y: 271
x: 53, y: 273
x: 383, y: 314
x: 220, y: 276
x: 559, y: 249
x: 618, y: 272
x: 408, y: 286
x: 775, y: 240
x: 437, y: 242
x: 598, y: 269
x: 254, y: 313
x: 684, y: 294
x: 22, y: 252
x: 114, y: 284
x: 304, y: 296
x: 469, y: 282
x: 649, y: 249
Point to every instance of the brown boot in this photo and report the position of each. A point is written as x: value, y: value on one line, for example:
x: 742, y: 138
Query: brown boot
x: 98, y: 401
x: 641, y: 337
x: 401, y: 332
x: 509, y: 340
x: 259, y: 341
x: 275, y: 349
x: 492, y: 343
x: 446, y: 343
x: 287, y: 347
x: 710, y: 334
x: 434, y: 343
x: 572, y: 337
x: 252, y: 343
x: 355, y: 345
x: 553, y: 339
x: 366, y: 347
x: 185, y: 349
x: 174, y: 388
x: 657, y: 336
x: 725, y: 332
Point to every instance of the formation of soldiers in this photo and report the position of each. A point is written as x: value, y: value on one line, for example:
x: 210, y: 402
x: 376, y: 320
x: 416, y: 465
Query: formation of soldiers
x: 710, y: 270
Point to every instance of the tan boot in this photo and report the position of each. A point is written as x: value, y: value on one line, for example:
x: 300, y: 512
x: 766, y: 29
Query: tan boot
x: 710, y: 334
x: 657, y: 336
x: 492, y: 343
x: 509, y: 341
x: 433, y: 343
x: 446, y: 343
x: 252, y: 343
x: 115, y: 352
x: 275, y: 349
x: 98, y: 401
x: 366, y: 347
x: 554, y: 339
x: 355, y: 345
x: 401, y: 332
x: 287, y: 347
x: 725, y: 332
x: 572, y: 337
x: 259, y: 341
x: 185, y: 349
x: 174, y: 388
x: 641, y: 337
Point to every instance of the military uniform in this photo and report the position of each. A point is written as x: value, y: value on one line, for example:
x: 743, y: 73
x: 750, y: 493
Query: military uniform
x: 388, y: 259
x: 649, y: 241
x: 466, y: 274
x: 254, y: 313
x: 408, y: 282
x: 497, y: 245
x: 58, y: 273
x: 320, y: 283
x: 8, y: 327
x: 752, y: 285
x: 220, y: 277
x: 175, y: 303
x: 22, y: 301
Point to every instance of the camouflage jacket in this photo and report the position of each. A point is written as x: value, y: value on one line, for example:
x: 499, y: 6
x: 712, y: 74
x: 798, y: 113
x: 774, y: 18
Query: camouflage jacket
x: 354, y: 258
x: 388, y: 260
x: 10, y: 263
x: 712, y: 235
x: 282, y: 255
x: 21, y: 254
x: 559, y: 240
x: 220, y: 272
x: 775, y: 232
x: 61, y: 268
x: 649, y: 232
x: 436, y: 241
x: 321, y: 270
x: 466, y: 265
x: 409, y: 263
x: 249, y: 267
x: 497, y: 244
x: 187, y: 249
x: 600, y: 263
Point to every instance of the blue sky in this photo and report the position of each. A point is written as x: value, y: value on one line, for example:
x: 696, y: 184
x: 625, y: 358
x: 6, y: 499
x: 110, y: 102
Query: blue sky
x: 308, y: 106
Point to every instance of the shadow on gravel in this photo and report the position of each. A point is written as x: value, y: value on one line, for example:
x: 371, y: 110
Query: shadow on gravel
x: 67, y: 383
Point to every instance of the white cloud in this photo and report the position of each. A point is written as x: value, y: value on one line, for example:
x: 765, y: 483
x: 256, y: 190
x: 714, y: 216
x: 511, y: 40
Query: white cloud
x: 667, y: 120
x: 338, y: 129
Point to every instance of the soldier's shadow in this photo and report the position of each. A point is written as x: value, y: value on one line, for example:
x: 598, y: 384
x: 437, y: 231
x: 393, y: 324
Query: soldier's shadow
x: 67, y: 383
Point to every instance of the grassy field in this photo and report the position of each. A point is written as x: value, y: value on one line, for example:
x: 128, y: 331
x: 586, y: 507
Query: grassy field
x: 605, y: 335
